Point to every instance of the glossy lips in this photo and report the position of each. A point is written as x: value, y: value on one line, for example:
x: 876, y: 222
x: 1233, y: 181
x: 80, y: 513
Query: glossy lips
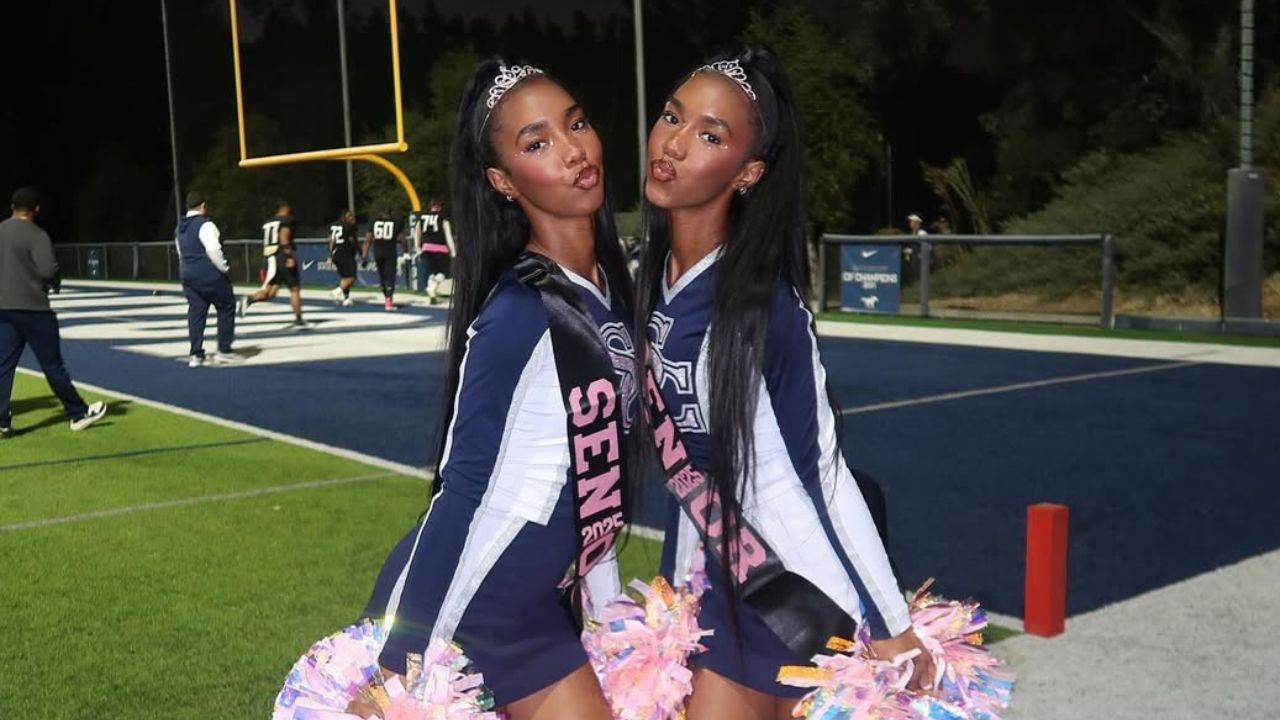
x: 662, y: 170
x: 587, y: 178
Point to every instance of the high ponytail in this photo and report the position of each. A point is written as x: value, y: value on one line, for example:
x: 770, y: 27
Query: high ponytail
x: 491, y: 232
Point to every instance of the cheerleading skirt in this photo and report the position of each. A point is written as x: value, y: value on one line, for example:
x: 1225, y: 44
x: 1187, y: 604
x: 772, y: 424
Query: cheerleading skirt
x: 488, y: 581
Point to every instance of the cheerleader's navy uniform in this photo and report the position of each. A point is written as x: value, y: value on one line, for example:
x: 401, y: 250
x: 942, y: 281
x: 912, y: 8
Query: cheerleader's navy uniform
x: 483, y: 568
x: 804, y: 501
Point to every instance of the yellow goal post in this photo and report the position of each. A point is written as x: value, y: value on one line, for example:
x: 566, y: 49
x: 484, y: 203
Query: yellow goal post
x: 364, y: 153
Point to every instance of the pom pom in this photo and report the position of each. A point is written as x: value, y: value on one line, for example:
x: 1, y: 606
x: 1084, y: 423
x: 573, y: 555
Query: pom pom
x: 972, y: 684
x: 640, y: 647
x: 339, y: 679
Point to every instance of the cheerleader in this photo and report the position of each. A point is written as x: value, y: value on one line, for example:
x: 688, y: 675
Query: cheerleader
x: 738, y: 403
x: 540, y: 391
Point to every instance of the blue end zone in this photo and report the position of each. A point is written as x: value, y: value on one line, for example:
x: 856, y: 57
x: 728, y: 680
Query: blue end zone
x: 1168, y: 474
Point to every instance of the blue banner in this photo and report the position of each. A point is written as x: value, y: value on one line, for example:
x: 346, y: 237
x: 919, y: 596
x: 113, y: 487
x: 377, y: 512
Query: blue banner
x: 870, y: 278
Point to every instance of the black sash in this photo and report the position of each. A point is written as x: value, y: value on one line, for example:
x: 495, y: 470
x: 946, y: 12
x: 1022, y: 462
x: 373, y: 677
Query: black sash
x: 589, y: 385
x: 800, y: 614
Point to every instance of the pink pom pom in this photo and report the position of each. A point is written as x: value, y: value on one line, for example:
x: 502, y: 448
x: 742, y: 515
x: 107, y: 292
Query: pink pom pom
x: 972, y: 684
x: 343, y: 668
x: 639, y: 649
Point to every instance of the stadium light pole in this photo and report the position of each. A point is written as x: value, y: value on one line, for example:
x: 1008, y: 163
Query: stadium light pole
x: 638, y: 13
x: 1246, y: 199
x: 173, y: 128
x: 346, y: 101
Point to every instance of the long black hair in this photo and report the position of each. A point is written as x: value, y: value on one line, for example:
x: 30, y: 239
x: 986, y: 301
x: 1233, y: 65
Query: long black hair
x: 764, y: 243
x: 491, y: 231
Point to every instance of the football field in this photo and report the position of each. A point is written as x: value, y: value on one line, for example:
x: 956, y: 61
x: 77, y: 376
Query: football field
x: 175, y: 559
x: 161, y: 566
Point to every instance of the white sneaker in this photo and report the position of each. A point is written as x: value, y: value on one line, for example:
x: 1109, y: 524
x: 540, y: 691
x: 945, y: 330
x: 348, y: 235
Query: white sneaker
x: 227, y: 359
x: 336, y: 294
x: 96, y: 412
x: 195, y: 361
x: 348, y: 302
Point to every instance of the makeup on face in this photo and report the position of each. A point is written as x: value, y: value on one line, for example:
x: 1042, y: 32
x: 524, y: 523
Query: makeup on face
x: 548, y: 150
x: 700, y: 143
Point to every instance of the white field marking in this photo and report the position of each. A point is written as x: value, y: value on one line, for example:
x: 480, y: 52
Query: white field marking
x: 1112, y: 347
x: 358, y: 293
x: 72, y: 302
x: 186, y: 502
x: 1013, y: 387
x: 126, y: 314
x: 647, y: 533
x: 334, y: 335
x: 423, y: 473
x: 85, y: 295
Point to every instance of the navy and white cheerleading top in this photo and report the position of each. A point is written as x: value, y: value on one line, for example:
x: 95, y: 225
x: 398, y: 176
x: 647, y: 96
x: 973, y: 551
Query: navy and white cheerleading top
x: 505, y: 467
x: 804, y: 501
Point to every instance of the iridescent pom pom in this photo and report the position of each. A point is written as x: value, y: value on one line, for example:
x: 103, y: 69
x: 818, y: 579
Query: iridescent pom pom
x: 972, y: 684
x: 341, y: 673
x: 640, y: 647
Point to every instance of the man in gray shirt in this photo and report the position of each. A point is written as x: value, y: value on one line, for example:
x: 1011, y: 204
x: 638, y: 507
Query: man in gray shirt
x: 27, y: 268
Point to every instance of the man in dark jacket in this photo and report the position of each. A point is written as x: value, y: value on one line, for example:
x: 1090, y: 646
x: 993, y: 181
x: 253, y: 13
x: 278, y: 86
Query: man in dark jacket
x: 204, y: 281
x: 27, y: 269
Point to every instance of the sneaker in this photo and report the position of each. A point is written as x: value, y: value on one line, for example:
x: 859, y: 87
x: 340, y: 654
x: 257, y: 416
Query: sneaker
x: 389, y: 305
x: 6, y: 431
x: 222, y: 358
x: 242, y: 306
x: 96, y: 412
x: 336, y: 294
x: 348, y: 302
x: 299, y: 324
x: 195, y: 361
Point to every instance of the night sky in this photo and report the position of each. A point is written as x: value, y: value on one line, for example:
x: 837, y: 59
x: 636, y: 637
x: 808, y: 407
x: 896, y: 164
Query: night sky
x: 86, y: 108
x: 85, y: 114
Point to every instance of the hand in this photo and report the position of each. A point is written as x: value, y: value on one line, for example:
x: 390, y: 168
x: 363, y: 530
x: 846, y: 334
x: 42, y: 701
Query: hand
x: 923, y: 670
x: 291, y: 262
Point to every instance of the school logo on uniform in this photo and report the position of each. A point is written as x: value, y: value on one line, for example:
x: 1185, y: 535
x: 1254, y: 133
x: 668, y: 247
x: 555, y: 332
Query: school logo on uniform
x: 623, y: 353
x: 688, y: 417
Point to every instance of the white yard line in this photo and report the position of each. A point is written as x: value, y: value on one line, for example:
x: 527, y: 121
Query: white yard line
x: 1111, y: 347
x: 1013, y: 387
x: 187, y: 502
x: 403, y: 295
x: 424, y: 473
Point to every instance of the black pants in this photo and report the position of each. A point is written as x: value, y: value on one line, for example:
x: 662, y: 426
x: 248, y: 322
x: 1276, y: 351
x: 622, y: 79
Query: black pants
x: 386, y: 273
x: 39, y: 329
x: 199, y: 297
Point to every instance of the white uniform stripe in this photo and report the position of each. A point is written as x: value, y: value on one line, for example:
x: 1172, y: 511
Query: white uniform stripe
x: 850, y: 518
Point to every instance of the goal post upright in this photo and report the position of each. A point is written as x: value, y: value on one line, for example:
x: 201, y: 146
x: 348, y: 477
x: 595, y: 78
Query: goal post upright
x: 366, y: 153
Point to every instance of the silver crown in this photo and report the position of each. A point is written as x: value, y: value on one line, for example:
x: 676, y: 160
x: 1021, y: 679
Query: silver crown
x: 732, y: 69
x: 506, y: 79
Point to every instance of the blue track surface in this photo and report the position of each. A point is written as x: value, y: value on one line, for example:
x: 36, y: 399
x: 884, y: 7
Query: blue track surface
x: 1168, y: 474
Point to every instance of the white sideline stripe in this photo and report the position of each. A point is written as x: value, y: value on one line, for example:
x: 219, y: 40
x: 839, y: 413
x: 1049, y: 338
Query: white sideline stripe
x: 185, y: 502
x: 1014, y: 387
x: 647, y: 533
x: 404, y: 296
x: 1110, y: 347
x: 424, y: 473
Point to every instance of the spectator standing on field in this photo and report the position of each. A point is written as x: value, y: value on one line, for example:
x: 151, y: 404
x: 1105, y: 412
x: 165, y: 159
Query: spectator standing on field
x: 27, y: 271
x: 204, y: 281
